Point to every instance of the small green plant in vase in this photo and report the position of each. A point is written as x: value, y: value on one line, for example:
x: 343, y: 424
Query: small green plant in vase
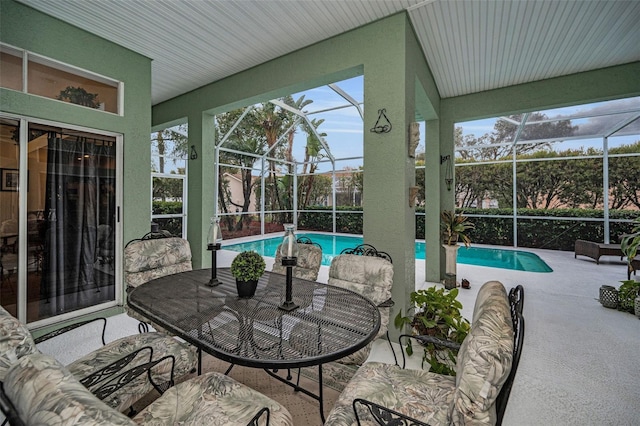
x: 435, y: 313
x: 247, y: 268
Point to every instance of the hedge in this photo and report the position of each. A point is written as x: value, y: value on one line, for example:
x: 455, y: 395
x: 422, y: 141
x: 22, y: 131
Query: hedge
x: 553, y: 234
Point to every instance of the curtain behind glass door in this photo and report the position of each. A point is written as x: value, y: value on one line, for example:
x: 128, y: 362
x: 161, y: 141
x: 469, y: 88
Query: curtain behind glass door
x: 9, y: 213
x: 71, y: 222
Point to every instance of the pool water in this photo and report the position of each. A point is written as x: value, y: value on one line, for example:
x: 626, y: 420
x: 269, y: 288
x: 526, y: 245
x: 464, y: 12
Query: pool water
x: 332, y: 245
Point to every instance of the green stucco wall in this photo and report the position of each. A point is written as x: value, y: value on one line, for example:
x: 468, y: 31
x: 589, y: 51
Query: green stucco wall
x: 395, y: 74
x: 26, y: 28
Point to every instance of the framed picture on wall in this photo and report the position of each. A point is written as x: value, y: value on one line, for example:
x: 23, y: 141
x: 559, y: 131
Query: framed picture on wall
x: 9, y: 179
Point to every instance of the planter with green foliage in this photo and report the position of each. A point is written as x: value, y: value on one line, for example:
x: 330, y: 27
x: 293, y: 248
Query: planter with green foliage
x: 630, y: 244
x: 627, y: 294
x: 79, y: 96
x: 247, y: 268
x: 454, y: 227
x: 436, y: 313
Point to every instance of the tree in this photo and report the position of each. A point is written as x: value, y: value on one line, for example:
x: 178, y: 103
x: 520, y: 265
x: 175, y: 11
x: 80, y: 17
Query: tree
x: 171, y: 142
x: 274, y: 122
x: 312, y: 156
x: 261, y: 131
x: 539, y: 183
x: 320, y: 191
x: 624, y: 177
x: 246, y: 137
x: 499, y: 143
x: 167, y: 188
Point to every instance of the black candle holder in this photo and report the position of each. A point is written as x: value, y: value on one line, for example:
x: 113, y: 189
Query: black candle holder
x: 213, y: 248
x: 289, y: 263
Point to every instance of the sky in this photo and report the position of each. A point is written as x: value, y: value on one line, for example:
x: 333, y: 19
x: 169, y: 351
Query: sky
x: 344, y: 128
x: 611, y: 113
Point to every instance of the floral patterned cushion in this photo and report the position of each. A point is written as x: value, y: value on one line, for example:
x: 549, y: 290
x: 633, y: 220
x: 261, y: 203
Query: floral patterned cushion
x: 148, y: 259
x: 485, y: 357
x: 15, y: 341
x: 369, y: 276
x: 309, y: 261
x: 483, y: 364
x: 211, y: 399
x: 43, y: 392
x: 163, y: 345
x: 415, y: 393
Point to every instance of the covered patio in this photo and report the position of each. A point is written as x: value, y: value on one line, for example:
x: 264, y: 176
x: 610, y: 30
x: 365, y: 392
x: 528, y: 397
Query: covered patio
x: 578, y: 366
x: 438, y: 62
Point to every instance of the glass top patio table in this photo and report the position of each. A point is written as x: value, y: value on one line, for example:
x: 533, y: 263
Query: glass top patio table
x: 330, y: 323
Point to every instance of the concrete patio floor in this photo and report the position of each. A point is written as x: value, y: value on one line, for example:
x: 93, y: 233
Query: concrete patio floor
x: 579, y: 363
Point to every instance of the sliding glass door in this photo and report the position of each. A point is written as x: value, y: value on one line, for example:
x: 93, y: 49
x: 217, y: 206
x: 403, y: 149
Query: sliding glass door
x: 9, y: 212
x: 61, y: 259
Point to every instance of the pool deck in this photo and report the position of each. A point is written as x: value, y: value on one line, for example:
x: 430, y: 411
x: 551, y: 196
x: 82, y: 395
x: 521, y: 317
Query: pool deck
x: 579, y: 364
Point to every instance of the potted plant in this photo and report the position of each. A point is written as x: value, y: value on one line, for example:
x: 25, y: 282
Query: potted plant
x: 630, y: 243
x: 454, y: 227
x: 629, y: 246
x: 627, y: 295
x: 247, y: 268
x: 436, y: 313
x: 79, y: 96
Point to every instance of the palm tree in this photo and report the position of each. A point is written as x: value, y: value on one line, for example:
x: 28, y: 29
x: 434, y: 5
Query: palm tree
x: 246, y: 137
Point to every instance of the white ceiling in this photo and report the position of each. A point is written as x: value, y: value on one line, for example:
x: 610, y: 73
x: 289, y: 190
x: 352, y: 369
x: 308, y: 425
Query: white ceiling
x: 470, y: 45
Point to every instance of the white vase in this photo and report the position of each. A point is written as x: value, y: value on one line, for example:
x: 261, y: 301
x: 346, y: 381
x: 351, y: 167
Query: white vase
x: 451, y: 253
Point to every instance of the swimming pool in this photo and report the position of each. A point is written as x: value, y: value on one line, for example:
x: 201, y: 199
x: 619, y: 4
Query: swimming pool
x: 332, y: 245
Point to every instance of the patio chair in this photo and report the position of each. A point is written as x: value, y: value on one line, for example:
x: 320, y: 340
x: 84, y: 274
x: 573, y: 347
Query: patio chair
x: 596, y: 250
x: 147, y: 259
x: 309, y: 260
x: 105, y: 367
x: 486, y: 366
x: 369, y: 272
x: 211, y: 398
x: 9, y: 234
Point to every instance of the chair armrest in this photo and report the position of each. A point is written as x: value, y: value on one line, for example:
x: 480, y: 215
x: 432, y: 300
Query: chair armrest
x: 255, y: 421
x: 443, y: 343
x: 387, y: 303
x: 9, y: 410
x: 114, y: 376
x: 384, y: 416
x: 424, y: 339
x: 63, y: 330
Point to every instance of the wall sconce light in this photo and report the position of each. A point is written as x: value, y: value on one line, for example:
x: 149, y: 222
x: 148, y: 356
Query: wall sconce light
x: 414, y: 138
x: 383, y: 125
x: 193, y: 154
x: 413, y: 193
x: 448, y: 173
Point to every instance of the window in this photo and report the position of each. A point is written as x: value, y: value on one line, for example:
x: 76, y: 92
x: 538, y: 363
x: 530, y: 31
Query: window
x: 169, y: 179
x: 54, y: 80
